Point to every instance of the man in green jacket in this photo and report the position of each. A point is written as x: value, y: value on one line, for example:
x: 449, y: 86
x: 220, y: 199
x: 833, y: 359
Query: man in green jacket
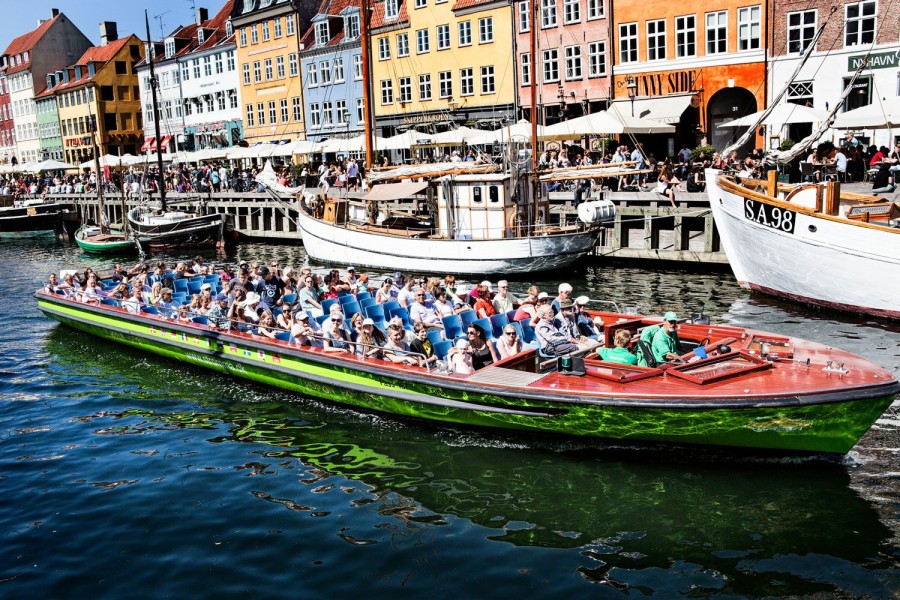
x: 665, y: 341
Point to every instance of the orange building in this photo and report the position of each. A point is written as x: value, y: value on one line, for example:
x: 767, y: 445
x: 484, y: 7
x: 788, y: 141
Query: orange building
x: 695, y: 68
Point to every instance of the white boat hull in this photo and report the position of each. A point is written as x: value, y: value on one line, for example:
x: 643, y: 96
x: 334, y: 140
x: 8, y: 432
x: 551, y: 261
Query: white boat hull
x: 331, y: 244
x: 826, y: 261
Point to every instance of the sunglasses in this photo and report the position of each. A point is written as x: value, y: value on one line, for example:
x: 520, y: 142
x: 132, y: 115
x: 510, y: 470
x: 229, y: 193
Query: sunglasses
x: 510, y: 332
x: 471, y: 333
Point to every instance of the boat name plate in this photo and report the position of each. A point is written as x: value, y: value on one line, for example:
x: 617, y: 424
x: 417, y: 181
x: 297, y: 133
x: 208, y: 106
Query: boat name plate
x: 774, y: 217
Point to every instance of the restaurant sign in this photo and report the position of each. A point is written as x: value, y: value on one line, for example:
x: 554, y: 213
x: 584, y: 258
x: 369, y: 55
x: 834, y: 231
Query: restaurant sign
x: 660, y: 84
x: 877, y: 60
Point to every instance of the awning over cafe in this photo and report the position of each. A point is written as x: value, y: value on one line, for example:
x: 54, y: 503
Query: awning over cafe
x: 665, y: 109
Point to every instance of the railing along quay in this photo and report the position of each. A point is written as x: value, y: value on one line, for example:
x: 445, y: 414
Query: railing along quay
x: 646, y: 226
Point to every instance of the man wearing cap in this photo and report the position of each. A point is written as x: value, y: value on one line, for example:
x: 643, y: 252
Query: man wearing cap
x: 206, y: 290
x: 553, y: 339
x: 166, y: 307
x: 569, y: 325
x: 565, y: 293
x: 303, y: 333
x: 586, y: 326
x: 217, y: 315
x: 503, y: 300
x: 665, y: 341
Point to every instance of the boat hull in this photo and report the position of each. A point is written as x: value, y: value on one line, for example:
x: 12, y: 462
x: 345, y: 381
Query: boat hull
x: 106, y: 244
x: 34, y: 221
x: 196, y: 232
x: 825, y: 261
x: 331, y: 244
x: 832, y: 425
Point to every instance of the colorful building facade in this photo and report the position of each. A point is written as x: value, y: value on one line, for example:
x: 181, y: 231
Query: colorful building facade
x: 7, y: 124
x: 48, y: 124
x: 438, y: 64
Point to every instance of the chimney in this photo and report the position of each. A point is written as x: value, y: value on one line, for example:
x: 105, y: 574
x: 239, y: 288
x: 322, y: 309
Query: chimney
x: 108, y: 32
x: 202, y: 16
x: 54, y: 12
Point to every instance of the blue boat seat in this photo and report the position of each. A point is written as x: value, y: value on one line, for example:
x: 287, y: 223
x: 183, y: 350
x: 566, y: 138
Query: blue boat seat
x: 194, y: 284
x: 441, y: 349
x: 391, y: 305
x: 181, y: 285
x: 342, y: 293
x: 527, y: 332
x: 351, y: 308
x: 375, y: 312
x: 200, y: 320
x: 403, y: 314
x: 346, y: 298
x: 453, y: 327
x: 327, y: 304
x: 485, y: 324
x: 110, y: 302
x: 151, y: 310
x: 498, y: 322
x: 435, y: 336
x: 510, y: 315
x: 322, y: 318
x: 284, y: 336
x: 370, y: 301
x: 468, y: 316
x: 289, y: 299
x: 360, y: 296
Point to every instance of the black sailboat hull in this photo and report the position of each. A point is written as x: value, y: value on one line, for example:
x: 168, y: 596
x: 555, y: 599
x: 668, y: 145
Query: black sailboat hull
x: 37, y: 219
x: 189, y: 232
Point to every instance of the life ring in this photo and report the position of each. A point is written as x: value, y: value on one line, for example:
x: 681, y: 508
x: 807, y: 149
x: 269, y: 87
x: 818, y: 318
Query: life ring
x: 515, y: 222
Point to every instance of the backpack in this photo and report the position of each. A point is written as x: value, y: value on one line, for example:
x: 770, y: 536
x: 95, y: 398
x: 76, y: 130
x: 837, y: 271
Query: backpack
x: 645, y: 347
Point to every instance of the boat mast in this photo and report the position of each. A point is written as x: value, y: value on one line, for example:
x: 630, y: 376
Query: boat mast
x: 159, y: 162
x: 368, y: 121
x: 97, y: 171
x: 533, y: 50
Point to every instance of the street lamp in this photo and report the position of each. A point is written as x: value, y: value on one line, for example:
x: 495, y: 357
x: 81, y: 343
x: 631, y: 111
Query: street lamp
x: 632, y: 91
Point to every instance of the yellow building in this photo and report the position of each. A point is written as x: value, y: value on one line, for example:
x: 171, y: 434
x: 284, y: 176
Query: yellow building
x: 101, y: 86
x: 268, y: 56
x: 438, y: 64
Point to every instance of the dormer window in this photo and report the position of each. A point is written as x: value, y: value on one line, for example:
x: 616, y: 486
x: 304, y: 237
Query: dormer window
x: 322, y: 36
x: 351, y: 26
x: 25, y: 56
x: 201, y: 36
x: 170, y: 47
x: 229, y: 29
x: 77, y: 72
x: 92, y: 69
x: 391, y: 9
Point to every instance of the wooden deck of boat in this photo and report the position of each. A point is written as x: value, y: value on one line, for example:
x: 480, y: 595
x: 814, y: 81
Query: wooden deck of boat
x: 506, y: 377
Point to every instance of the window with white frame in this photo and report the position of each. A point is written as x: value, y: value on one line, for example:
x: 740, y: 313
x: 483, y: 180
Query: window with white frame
x: 360, y: 109
x: 201, y: 35
x: 525, y: 66
x: 357, y: 67
x: 423, y: 41
x: 315, y: 116
x: 243, y: 37
x: 596, y: 59
x: 571, y: 11
x: 548, y: 13
x: 443, y: 37
x: 595, y: 9
x: 312, y: 74
x: 800, y: 92
x: 404, y: 89
x: 486, y: 30
x: 322, y: 36
x: 749, y: 27
x: 628, y: 43
x: 220, y: 100
x: 445, y: 83
x: 384, y: 48
x: 268, y: 67
x: 391, y: 9
x: 403, y: 44
x: 421, y: 3
x: 283, y: 104
x: 220, y: 68
x: 685, y: 36
x: 339, y: 70
x: 289, y: 24
x: 279, y: 67
x: 250, y: 118
x: 340, y: 111
x: 246, y: 69
x: 801, y: 29
x: 488, y: 85
x: 170, y: 47
x: 352, y: 26
x: 524, y: 14
x: 467, y: 81
x: 550, y: 61
x: 573, y: 62
x: 265, y: 31
x: 859, y: 26
x: 717, y: 32
x: 272, y: 112
x: 295, y: 109
x: 277, y: 28
x: 254, y: 34
x: 465, y: 33
x: 257, y: 71
x: 292, y: 64
x: 325, y: 72
x: 232, y: 99
x: 210, y: 103
x: 196, y: 64
x: 656, y: 39
x: 387, y: 91
x: 261, y: 113
x: 207, y: 66
x: 425, y: 86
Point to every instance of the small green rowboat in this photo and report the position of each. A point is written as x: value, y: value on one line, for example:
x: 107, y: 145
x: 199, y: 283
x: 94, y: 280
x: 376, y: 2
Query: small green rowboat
x: 90, y: 239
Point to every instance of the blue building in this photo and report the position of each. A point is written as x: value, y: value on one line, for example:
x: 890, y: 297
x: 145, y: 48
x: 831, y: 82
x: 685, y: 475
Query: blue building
x: 332, y: 72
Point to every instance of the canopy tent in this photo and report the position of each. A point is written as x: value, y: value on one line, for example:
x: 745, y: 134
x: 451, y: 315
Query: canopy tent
x: 405, y: 140
x: 354, y: 144
x: 107, y: 160
x: 664, y: 109
x: 881, y: 114
x: 395, y: 191
x: 503, y: 135
x: 603, y: 122
x: 453, y: 137
x: 305, y: 147
x: 781, y: 115
x: 47, y: 165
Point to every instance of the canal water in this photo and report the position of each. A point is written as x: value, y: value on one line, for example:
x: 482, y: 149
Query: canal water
x: 126, y: 475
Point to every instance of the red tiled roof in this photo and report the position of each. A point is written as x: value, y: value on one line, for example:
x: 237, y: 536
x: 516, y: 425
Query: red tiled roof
x: 469, y: 3
x: 378, y: 15
x: 27, y: 42
x: 189, y: 32
x: 102, y: 54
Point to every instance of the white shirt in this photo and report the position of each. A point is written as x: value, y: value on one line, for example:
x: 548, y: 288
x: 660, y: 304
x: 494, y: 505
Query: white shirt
x: 840, y: 162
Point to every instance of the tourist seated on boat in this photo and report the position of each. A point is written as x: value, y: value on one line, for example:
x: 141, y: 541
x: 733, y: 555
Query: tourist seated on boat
x: 335, y: 338
x: 167, y: 308
x: 442, y: 303
x: 304, y: 335
x: 91, y: 292
x: 369, y: 340
x: 397, y: 322
x: 620, y: 352
x: 406, y: 296
x: 509, y: 343
x: 665, y: 341
x: 133, y: 302
x: 564, y: 293
x: 309, y: 297
x: 587, y: 326
x: 883, y: 182
x: 552, y: 339
x: 266, y: 326
x: 251, y: 308
x: 424, y: 312
x: 396, y: 350
x: 182, y: 272
x: 568, y: 323
x: 383, y: 293
x: 217, y: 316
x: 184, y: 314
x: 52, y: 283
x: 483, y: 304
x: 460, y: 358
x: 527, y: 306
x: 483, y: 351
x: 422, y: 345
x: 503, y: 300
x: 270, y: 287
x: 543, y: 298
x: 120, y: 292
x: 84, y: 276
x: 69, y: 285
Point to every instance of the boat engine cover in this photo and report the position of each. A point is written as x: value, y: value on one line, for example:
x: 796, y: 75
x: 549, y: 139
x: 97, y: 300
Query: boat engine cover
x: 598, y: 211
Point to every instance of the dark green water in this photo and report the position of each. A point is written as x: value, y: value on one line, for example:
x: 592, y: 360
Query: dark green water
x: 129, y: 476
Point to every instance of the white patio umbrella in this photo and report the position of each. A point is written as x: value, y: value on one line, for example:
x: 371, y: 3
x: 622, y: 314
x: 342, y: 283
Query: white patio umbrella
x: 338, y: 145
x: 502, y: 135
x: 603, y: 122
x: 305, y: 147
x: 881, y: 114
x: 405, y: 140
x: 453, y: 137
x: 48, y: 165
x: 781, y: 115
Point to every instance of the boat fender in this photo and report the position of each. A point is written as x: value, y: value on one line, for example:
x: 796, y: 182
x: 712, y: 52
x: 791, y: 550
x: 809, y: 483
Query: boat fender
x: 371, y: 210
x: 598, y: 211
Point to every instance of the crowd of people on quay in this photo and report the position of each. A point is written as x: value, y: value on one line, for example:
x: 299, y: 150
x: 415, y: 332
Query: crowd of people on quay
x: 401, y: 319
